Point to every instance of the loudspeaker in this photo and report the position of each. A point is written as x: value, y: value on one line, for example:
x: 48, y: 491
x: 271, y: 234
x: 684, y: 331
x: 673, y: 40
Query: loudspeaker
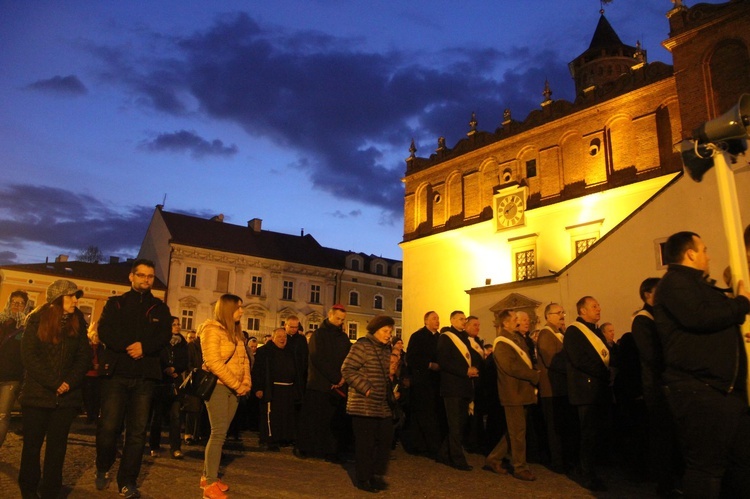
x: 729, y: 129
x: 730, y: 125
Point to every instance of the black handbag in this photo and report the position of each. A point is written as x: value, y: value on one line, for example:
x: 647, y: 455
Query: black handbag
x: 201, y: 383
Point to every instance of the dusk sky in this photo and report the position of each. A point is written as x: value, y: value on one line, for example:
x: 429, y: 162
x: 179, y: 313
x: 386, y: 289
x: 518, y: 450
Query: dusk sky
x: 296, y: 112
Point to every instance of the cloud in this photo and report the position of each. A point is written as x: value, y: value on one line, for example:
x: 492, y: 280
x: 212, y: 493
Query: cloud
x: 351, y: 214
x: 349, y: 113
x: 35, y: 214
x: 189, y: 141
x: 63, y: 85
x: 8, y: 257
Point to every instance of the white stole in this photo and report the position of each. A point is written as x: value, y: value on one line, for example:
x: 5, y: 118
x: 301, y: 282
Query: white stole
x: 595, y: 341
x: 557, y: 334
x: 475, y: 345
x: 460, y: 345
x: 524, y: 356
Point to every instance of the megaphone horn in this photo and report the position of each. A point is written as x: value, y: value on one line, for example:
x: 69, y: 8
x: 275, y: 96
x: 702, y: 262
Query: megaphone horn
x: 731, y: 125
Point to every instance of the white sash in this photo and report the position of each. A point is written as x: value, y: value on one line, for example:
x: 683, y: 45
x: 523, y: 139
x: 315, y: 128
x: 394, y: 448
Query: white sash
x: 524, y: 356
x: 475, y: 345
x: 460, y: 345
x: 557, y: 334
x: 595, y: 341
x: 644, y: 313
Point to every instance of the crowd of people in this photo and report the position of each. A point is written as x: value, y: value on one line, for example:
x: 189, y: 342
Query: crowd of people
x: 668, y: 400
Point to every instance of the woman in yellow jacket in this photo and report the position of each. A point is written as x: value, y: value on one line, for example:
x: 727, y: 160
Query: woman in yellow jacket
x: 224, y: 354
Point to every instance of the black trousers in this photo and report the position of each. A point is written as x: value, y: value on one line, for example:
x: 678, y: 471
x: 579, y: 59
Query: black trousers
x: 714, y: 430
x: 592, y: 419
x: 372, y: 446
x: 322, y: 434
x: 40, y: 423
x: 457, y: 412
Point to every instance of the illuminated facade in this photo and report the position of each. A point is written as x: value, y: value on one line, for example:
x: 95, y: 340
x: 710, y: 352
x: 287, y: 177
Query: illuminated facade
x: 575, y: 199
x: 277, y: 275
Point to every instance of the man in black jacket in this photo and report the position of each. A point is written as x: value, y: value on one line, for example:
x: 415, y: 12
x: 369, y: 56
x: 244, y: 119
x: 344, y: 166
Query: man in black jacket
x: 456, y: 388
x: 705, y: 370
x: 325, y: 397
x: 425, y: 405
x: 588, y: 383
x: 134, y: 328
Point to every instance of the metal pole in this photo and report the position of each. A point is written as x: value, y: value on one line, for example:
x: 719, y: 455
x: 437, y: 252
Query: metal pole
x: 730, y: 212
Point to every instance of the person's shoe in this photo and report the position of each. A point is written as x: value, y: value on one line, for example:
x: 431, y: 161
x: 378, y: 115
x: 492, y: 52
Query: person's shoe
x: 222, y: 486
x: 378, y: 483
x: 214, y: 491
x: 129, y: 492
x: 102, y: 480
x: 366, y: 486
x: 525, y: 475
x: 463, y: 467
x: 177, y: 454
x: 495, y: 468
x: 155, y: 453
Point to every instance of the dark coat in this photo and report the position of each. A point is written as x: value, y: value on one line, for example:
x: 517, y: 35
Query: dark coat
x: 588, y: 376
x: 329, y: 346
x: 11, y: 367
x: 698, y: 326
x: 49, y: 365
x: 454, y: 376
x: 297, y: 344
x: 176, y: 356
x: 275, y: 364
x: 422, y: 350
x: 127, y: 319
x: 366, y: 369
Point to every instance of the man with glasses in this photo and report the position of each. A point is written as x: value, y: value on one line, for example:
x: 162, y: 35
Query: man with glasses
x: 553, y: 389
x: 11, y: 368
x: 134, y: 328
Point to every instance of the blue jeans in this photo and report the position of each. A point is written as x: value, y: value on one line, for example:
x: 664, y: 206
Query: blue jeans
x: 8, y: 393
x: 221, y: 408
x: 129, y: 400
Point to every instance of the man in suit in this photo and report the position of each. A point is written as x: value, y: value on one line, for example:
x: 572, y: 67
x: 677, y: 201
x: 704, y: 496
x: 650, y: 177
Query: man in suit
x: 456, y: 373
x: 516, y: 379
x: 588, y: 384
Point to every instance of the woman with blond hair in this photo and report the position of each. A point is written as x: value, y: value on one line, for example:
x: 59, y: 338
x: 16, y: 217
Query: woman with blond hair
x: 224, y: 354
x: 56, y: 354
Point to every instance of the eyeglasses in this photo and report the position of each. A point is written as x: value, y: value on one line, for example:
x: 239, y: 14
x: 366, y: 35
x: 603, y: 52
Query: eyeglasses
x: 557, y: 313
x: 145, y: 276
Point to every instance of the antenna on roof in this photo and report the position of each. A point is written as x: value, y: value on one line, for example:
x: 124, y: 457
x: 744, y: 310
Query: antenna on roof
x: 164, y: 201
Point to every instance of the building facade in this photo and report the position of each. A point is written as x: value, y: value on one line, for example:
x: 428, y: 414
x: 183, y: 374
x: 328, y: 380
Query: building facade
x: 513, y: 218
x: 277, y: 275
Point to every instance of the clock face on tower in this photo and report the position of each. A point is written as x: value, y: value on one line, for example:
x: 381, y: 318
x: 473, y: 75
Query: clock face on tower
x: 510, y: 210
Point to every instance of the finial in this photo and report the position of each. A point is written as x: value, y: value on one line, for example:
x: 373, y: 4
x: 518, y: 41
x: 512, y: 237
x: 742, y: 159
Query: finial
x: 473, y: 124
x: 441, y: 143
x: 547, y: 93
x: 412, y: 149
x: 506, y: 116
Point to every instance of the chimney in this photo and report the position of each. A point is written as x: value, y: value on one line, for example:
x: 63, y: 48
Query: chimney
x: 114, y: 259
x: 218, y: 218
x: 61, y: 258
x: 255, y: 224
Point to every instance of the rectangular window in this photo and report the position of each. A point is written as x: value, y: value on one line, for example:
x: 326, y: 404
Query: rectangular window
x: 222, y: 281
x: 398, y: 305
x: 584, y: 244
x: 191, y: 274
x: 525, y: 265
x: 186, y: 321
x: 288, y: 291
x: 314, y: 293
x: 313, y: 326
x: 256, y: 286
x: 531, y: 168
x: 253, y: 324
x: 353, y: 330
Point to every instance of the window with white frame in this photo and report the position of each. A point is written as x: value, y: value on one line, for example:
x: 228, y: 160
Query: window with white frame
x: 583, y: 236
x: 397, y: 308
x: 352, y: 330
x: 354, y: 298
x: 377, y: 303
x: 313, y: 326
x: 314, y: 293
x: 253, y: 323
x: 524, y: 254
x: 256, y: 285
x: 186, y: 319
x: 287, y: 292
x: 191, y: 275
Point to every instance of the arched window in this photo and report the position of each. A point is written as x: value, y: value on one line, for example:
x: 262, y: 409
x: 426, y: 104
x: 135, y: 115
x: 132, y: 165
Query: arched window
x: 398, y: 305
x: 378, y: 303
x: 354, y: 298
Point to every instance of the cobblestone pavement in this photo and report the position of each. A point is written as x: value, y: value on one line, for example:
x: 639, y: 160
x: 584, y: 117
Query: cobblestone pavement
x: 255, y: 474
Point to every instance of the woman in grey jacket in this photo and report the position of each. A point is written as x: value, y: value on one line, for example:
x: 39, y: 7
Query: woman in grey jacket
x: 365, y: 370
